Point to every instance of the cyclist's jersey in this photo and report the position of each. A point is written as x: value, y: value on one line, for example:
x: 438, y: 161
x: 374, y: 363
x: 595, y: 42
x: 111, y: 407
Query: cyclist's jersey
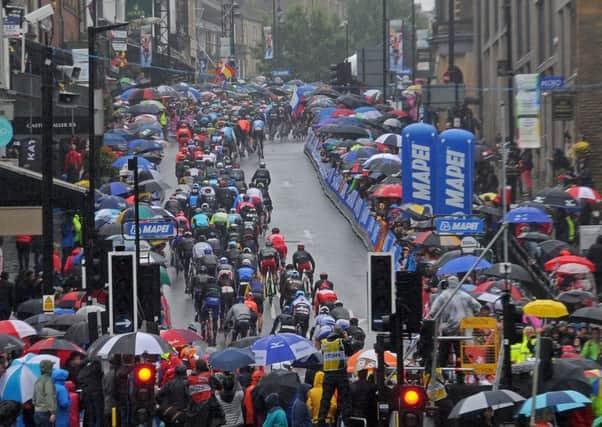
x: 245, y: 274
x: 256, y: 285
x: 252, y: 306
x: 277, y: 240
x: 258, y: 125
x: 255, y: 195
x: 301, y: 306
x: 268, y: 253
x: 200, y: 220
x: 210, y: 291
x: 198, y: 250
x: 220, y: 218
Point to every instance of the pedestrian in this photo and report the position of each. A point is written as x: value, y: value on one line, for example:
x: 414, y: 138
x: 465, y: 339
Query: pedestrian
x: 363, y: 398
x: 300, y: 416
x: 7, y: 295
x: 24, y: 287
x: 89, y: 379
x: 44, y: 397
x: 276, y: 415
x: 230, y: 400
x: 249, y: 409
x: 591, y: 348
x: 594, y: 254
x: 314, y: 399
x: 77, y: 229
x: 357, y: 335
x: 73, y: 164
x: 74, y: 362
x: 74, y: 409
x: 23, y: 245
x: 108, y: 387
x: 67, y: 237
x: 63, y: 403
x: 204, y: 410
x: 174, y: 398
x: 487, y: 418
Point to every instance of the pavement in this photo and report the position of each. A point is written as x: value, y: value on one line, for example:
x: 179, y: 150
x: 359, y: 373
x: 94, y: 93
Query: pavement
x: 304, y: 214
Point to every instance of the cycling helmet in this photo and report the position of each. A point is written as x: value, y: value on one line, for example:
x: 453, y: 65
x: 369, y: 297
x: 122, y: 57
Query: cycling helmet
x: 300, y: 247
x: 299, y: 294
x: 324, y: 331
x: 324, y: 310
x: 205, y: 206
x: 286, y: 310
x: 187, y: 234
x: 323, y: 276
x: 294, y: 275
x: 275, y: 230
x: 343, y: 324
x: 262, y: 165
x: 268, y: 243
x: 223, y: 260
x: 233, y: 211
x: 203, y: 269
x: 231, y: 245
x: 195, y: 186
x: 247, y: 250
x: 212, y: 235
x: 220, y: 165
x: 197, y: 210
x: 207, y: 251
x: 247, y: 263
x: 289, y: 267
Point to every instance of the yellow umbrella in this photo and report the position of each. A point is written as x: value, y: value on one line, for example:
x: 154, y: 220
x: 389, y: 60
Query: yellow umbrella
x: 83, y: 183
x: 546, y: 308
x: 490, y: 196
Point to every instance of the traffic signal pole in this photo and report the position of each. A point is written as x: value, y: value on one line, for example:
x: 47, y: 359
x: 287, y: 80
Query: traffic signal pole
x: 47, y: 170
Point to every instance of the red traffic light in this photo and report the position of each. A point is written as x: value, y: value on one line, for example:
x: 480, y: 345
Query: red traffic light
x: 144, y: 374
x: 412, y: 396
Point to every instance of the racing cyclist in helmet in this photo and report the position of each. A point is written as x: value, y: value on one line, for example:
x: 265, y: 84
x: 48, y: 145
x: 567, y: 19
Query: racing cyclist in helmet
x: 269, y: 259
x: 278, y: 243
x: 262, y: 175
x: 301, y: 308
x: 304, y: 262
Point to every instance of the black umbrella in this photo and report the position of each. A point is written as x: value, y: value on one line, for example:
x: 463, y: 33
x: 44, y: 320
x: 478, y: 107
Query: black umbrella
x: 29, y: 308
x: 517, y: 272
x: 568, y: 375
x: 534, y: 236
x: 150, y: 186
x: 245, y: 342
x: 109, y: 230
x: 280, y: 381
x: 39, y: 320
x: 78, y: 333
x: 62, y: 322
x: 488, y: 210
x: 311, y: 361
x: 327, y: 91
x: 384, y: 168
x: 50, y: 332
x: 575, y: 297
x: 9, y: 343
x: 347, y: 130
x: 351, y: 101
x: 552, y: 248
x: 556, y: 198
x: 588, y: 314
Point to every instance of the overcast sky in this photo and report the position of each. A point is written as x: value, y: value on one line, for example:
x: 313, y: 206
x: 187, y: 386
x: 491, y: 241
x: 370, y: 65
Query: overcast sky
x: 427, y: 4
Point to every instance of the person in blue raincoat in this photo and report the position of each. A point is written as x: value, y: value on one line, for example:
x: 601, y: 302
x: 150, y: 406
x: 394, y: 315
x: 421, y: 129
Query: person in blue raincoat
x: 63, y: 403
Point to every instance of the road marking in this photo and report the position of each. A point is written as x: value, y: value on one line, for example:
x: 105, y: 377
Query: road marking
x: 287, y: 184
x: 307, y: 234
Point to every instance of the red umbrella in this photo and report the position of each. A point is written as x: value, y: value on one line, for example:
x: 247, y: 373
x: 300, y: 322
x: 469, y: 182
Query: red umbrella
x: 342, y: 112
x: 142, y: 94
x: 17, y: 328
x: 180, y: 337
x: 59, y: 347
x: 388, y: 190
x: 73, y: 300
x: 494, y: 287
x: 554, y: 263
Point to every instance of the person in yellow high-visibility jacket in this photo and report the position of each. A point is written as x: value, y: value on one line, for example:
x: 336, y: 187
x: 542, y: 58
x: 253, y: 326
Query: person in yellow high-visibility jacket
x: 524, y: 350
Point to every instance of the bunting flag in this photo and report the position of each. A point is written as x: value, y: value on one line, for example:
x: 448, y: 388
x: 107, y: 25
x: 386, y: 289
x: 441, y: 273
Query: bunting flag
x: 225, y: 69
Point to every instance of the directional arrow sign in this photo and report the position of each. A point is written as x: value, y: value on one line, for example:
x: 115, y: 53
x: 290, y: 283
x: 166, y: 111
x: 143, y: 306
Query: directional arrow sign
x: 123, y: 325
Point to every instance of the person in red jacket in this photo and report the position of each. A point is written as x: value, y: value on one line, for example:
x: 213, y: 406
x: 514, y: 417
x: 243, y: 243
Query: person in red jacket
x: 247, y: 402
x: 73, y: 164
x: 324, y: 296
x: 74, y: 408
x: 69, y: 264
x: 23, y: 243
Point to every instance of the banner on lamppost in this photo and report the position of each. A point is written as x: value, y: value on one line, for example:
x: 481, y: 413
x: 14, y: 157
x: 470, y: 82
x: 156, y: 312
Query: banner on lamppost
x: 13, y: 22
x: 146, y: 46
x: 119, y: 40
x: 269, y: 43
x: 81, y: 60
x: 396, y: 64
x: 527, y: 110
x: 135, y: 9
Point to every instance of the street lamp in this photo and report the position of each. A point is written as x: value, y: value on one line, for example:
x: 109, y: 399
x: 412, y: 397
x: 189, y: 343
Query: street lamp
x: 277, y: 18
x: 345, y: 23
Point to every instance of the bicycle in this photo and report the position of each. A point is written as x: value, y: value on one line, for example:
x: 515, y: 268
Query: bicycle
x: 208, y: 328
x: 306, y: 284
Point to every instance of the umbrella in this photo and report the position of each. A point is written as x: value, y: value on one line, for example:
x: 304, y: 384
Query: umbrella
x: 138, y: 95
x: 555, y: 263
x: 50, y: 332
x: 462, y: 265
x: 180, y: 337
x: 350, y: 101
x: 8, y: 343
x: 40, y: 319
x: 133, y: 343
x: 517, y: 272
x: 584, y: 193
x: 83, y: 312
x: 388, y: 191
x: 139, y: 145
x: 29, y: 308
x: 279, y: 381
x: 164, y: 90
x: 109, y: 229
x: 534, y: 236
x: 154, y: 102
x: 572, y: 268
x: 545, y: 308
x: 144, y: 109
x: 63, y: 321
x: 114, y: 140
x: 555, y: 198
x: 368, y: 359
x: 496, y: 288
x: 18, y: 381
x: 111, y: 202
x: 231, y: 358
x: 151, y: 186
x: 142, y: 162
x: 552, y: 248
x: 313, y: 361
x: 79, y: 333
x: 576, y: 296
x: 115, y: 189
x: 494, y: 399
x: 283, y: 347
x: 382, y: 156
x: 555, y: 400
x: 588, y: 314
x: 429, y: 238
x: 73, y: 300
x: 245, y: 342
x: 58, y: 347
x: 145, y: 212
x: 16, y: 328
x: 528, y: 214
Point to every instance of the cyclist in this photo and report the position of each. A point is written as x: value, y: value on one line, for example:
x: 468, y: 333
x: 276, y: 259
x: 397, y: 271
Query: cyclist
x: 267, y: 202
x: 325, y: 297
x: 284, y: 322
x: 268, y: 259
x: 340, y: 312
x: 209, y: 260
x: 278, y: 242
x: 234, y: 217
x: 304, y: 262
x: 291, y: 286
x: 225, y: 268
x: 220, y: 220
x: 200, y: 280
x: 262, y: 175
x: 209, y: 301
x: 200, y: 222
x: 232, y: 252
x: 245, y: 274
x: 322, y: 319
x: 301, y: 308
x: 199, y: 247
x: 247, y: 253
x: 244, y: 206
x: 194, y: 199
x: 225, y: 198
x: 238, y: 320
x: 184, y: 250
x: 182, y: 221
x: 258, y: 134
x: 255, y: 316
x: 214, y: 242
x: 257, y: 291
x: 323, y: 283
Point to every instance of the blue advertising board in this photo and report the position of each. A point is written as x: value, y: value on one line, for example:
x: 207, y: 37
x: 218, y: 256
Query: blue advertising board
x: 551, y: 83
x: 155, y: 230
x: 455, y: 171
x: 459, y: 225
x: 419, y: 155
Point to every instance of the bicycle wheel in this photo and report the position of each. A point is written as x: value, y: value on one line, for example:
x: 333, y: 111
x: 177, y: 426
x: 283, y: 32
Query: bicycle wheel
x: 210, y: 335
x: 306, y: 284
x: 267, y: 286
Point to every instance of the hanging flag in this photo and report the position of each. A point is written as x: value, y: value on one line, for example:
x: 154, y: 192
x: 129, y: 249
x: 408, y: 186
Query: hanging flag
x: 228, y: 71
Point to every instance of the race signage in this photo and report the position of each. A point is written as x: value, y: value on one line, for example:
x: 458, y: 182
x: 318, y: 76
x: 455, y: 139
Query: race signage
x: 459, y: 226
x: 418, y: 156
x: 455, y: 170
x: 151, y: 230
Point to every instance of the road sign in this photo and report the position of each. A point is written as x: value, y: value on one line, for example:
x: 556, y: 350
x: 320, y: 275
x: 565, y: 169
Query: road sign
x: 281, y: 73
x: 6, y: 131
x: 123, y: 325
x: 460, y: 226
x: 563, y: 106
x: 48, y: 303
x: 551, y: 83
x: 151, y: 230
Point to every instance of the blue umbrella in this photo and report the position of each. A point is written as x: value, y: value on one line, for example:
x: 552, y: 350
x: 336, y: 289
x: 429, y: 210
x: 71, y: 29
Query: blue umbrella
x: 364, y: 109
x: 138, y: 145
x: 279, y: 348
x: 116, y: 188
x: 353, y: 156
x: 325, y: 112
x: 142, y: 162
x: 527, y: 214
x: 194, y: 94
x: 231, y: 358
x: 126, y: 94
x: 462, y: 264
x: 114, y: 140
x: 559, y: 401
x: 111, y: 202
x: 17, y: 382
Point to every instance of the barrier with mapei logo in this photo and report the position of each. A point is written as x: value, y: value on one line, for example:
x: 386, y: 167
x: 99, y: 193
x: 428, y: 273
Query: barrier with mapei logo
x: 350, y: 199
x: 459, y: 225
x: 358, y: 209
x: 365, y: 216
x: 375, y: 233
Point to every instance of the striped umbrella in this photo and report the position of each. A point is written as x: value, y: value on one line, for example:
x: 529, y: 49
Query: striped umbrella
x: 17, y: 328
x: 584, y: 193
x: 18, y: 381
x: 136, y: 343
x: 56, y: 346
x: 279, y: 348
x: 494, y: 399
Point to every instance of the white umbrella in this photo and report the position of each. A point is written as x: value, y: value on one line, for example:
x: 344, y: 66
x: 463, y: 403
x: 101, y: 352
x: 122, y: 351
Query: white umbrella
x: 382, y: 156
x: 136, y: 343
x: 494, y: 399
x: 83, y: 312
x: 18, y: 381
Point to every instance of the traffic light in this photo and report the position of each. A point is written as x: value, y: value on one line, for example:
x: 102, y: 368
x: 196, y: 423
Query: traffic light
x: 333, y: 74
x: 143, y: 396
x: 457, y: 10
x: 380, y: 288
x: 408, y: 294
x: 122, y: 293
x: 149, y: 292
x: 391, y: 324
x: 96, y: 264
x: 412, y: 400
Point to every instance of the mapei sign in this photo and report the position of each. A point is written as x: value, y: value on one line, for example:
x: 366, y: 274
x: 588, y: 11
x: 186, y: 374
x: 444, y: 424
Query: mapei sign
x: 459, y: 226
x: 154, y: 230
